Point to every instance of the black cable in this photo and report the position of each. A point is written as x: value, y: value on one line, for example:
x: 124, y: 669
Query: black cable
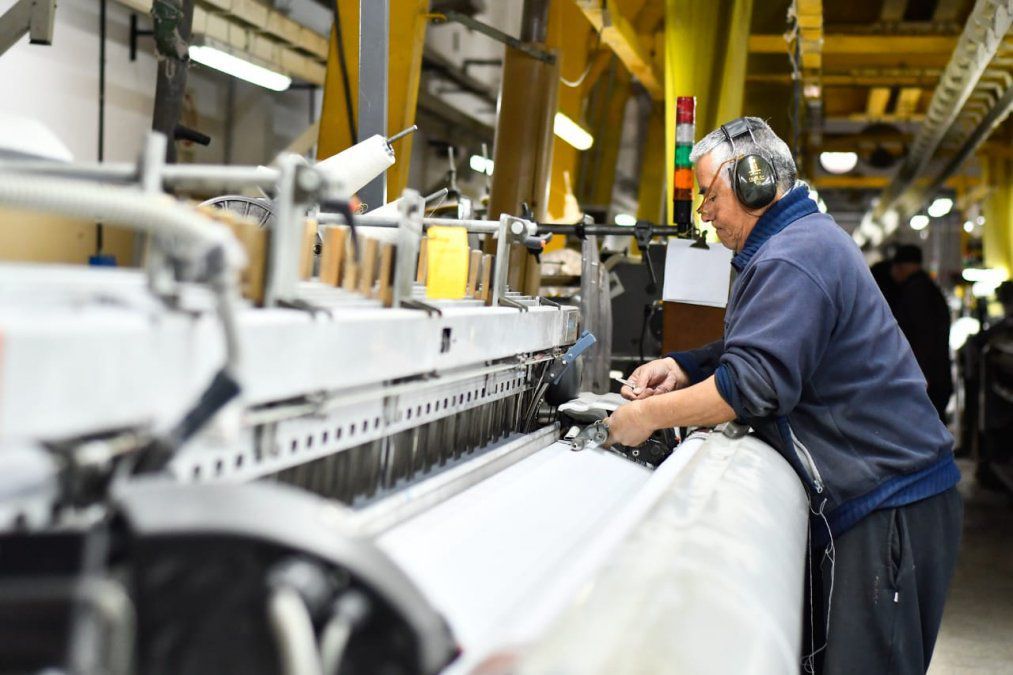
x: 101, y: 106
x: 344, y: 73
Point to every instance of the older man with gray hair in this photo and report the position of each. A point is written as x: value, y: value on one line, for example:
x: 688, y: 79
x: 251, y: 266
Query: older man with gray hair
x: 813, y: 360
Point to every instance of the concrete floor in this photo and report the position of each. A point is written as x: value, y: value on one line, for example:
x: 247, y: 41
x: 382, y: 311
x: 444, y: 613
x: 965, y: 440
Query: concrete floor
x: 977, y: 631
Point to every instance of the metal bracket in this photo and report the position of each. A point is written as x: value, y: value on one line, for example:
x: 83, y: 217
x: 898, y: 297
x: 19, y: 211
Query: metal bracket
x: 411, y: 209
x: 500, y: 36
x: 34, y: 17
x: 135, y: 33
x: 286, y: 235
x: 510, y: 302
x: 431, y: 310
x: 551, y: 303
x: 499, y: 273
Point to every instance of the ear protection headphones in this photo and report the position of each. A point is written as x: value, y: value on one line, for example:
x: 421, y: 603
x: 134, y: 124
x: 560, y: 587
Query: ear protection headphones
x: 754, y: 179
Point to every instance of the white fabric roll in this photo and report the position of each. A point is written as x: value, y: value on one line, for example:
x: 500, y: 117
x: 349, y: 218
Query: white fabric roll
x: 360, y: 163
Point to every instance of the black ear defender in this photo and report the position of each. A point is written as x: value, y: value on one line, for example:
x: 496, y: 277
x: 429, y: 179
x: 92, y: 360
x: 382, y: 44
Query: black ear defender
x: 754, y: 179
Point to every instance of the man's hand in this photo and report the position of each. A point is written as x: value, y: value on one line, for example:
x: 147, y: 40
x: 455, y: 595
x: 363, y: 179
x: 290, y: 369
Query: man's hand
x: 655, y: 377
x: 629, y: 426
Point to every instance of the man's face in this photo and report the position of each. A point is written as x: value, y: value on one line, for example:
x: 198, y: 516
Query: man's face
x: 720, y: 206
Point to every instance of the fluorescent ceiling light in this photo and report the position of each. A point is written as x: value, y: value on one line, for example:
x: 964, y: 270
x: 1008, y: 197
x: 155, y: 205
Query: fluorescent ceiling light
x: 963, y: 328
x: 241, y: 68
x: 919, y: 222
x: 838, y: 162
x: 990, y: 275
x: 481, y: 164
x: 625, y: 219
x: 890, y: 220
x: 940, y: 207
x: 571, y: 132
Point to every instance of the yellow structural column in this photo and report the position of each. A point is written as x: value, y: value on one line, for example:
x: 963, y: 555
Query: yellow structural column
x: 706, y: 44
x: 998, y: 234
x: 573, y: 39
x: 651, y: 193
x: 408, y: 21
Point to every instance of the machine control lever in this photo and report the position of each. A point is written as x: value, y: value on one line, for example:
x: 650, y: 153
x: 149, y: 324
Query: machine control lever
x: 559, y: 366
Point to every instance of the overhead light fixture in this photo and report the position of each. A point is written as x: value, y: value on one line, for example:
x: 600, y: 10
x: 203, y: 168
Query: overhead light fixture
x: 919, y: 222
x: 241, y: 67
x: 481, y: 164
x: 940, y: 207
x: 992, y: 275
x: 571, y: 132
x: 838, y: 162
x: 890, y: 220
x: 968, y: 226
x: 625, y: 219
x: 980, y: 220
x: 963, y: 328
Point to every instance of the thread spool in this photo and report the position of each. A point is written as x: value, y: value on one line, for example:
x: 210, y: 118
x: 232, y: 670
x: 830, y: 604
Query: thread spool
x: 359, y: 164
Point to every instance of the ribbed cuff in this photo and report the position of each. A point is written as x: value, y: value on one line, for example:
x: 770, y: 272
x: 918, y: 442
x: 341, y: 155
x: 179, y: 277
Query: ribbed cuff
x: 729, y: 392
x: 689, y: 365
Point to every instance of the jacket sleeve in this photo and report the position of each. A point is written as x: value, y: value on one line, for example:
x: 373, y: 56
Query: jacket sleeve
x: 699, y: 364
x: 774, y: 341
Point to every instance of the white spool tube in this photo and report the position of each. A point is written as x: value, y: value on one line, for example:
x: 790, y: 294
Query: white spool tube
x: 359, y: 164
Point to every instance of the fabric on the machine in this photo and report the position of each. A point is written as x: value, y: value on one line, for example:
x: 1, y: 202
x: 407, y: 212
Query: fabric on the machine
x: 484, y: 555
x: 813, y: 359
x: 710, y: 580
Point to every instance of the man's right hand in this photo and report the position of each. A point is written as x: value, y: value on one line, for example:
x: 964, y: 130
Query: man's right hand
x: 655, y: 377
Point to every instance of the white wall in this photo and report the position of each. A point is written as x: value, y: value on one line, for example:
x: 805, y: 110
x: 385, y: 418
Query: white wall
x: 58, y: 85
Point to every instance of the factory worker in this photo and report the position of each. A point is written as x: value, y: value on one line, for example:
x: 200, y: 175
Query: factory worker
x: 813, y: 360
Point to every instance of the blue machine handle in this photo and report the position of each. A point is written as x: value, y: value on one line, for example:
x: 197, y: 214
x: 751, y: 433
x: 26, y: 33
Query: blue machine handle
x: 583, y: 343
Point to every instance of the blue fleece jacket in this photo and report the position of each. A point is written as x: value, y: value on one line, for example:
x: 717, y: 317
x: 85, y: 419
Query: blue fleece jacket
x: 813, y: 359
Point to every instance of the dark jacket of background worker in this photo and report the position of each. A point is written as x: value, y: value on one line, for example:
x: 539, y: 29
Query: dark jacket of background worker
x: 813, y: 360
x: 924, y: 318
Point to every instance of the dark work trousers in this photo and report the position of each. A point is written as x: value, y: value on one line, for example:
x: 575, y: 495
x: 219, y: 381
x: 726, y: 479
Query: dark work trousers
x: 890, y: 577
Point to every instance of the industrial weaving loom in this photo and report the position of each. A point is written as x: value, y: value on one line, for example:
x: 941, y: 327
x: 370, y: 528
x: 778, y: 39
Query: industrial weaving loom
x: 332, y: 476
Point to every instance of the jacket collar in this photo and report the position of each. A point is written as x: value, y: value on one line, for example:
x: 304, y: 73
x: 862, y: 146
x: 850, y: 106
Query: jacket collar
x: 786, y: 210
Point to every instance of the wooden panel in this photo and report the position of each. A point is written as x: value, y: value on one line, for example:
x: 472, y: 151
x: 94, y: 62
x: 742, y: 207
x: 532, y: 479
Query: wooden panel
x: 333, y: 255
x: 26, y: 236
x: 690, y: 326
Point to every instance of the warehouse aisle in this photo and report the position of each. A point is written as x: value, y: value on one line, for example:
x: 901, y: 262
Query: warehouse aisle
x: 978, y: 622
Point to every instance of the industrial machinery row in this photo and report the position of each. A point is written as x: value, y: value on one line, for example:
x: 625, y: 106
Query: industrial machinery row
x: 270, y: 448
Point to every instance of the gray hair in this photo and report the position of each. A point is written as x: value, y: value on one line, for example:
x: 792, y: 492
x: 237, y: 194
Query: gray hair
x: 764, y: 142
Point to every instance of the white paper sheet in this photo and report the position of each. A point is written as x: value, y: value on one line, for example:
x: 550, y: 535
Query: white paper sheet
x: 697, y: 276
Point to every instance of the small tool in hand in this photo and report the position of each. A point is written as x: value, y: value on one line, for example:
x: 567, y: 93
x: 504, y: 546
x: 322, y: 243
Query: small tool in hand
x: 628, y: 383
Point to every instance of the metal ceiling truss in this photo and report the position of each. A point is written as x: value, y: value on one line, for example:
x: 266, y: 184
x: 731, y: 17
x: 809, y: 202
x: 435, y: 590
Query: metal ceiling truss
x: 973, y: 91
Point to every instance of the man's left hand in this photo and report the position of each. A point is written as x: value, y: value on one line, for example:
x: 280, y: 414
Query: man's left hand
x: 628, y: 425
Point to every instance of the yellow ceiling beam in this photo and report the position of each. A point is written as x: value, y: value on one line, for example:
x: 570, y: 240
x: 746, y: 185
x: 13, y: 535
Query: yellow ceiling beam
x: 868, y: 77
x: 862, y: 44
x: 907, y: 100
x: 893, y: 11
x: 828, y: 182
x: 885, y: 118
x: 879, y: 97
x: 809, y: 14
x: 619, y: 34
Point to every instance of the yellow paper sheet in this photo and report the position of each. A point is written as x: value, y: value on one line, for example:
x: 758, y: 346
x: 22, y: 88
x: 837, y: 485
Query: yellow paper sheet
x: 447, y: 277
